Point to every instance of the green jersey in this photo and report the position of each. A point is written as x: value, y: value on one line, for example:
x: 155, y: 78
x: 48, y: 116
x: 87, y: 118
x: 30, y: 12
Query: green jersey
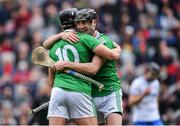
x: 107, y: 75
x: 77, y: 52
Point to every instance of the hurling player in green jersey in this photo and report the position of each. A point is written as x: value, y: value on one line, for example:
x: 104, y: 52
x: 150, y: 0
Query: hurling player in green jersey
x: 109, y: 100
x: 86, y: 21
x: 70, y: 96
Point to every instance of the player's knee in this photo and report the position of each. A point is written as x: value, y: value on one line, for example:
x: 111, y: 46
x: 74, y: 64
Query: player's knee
x: 87, y: 121
x: 56, y: 121
x: 114, y: 119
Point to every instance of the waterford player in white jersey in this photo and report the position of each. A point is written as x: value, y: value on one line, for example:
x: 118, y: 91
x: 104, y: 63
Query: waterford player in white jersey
x: 143, y: 97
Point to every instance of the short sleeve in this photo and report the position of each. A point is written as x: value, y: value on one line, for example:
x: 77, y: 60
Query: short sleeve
x: 134, y: 89
x: 109, y: 42
x: 158, y: 87
x: 90, y: 41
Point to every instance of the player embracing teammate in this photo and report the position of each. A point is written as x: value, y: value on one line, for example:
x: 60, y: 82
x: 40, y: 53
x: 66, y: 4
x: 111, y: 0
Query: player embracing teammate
x: 71, y: 97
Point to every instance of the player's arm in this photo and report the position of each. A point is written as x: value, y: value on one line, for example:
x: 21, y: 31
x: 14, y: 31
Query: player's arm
x: 105, y: 52
x: 85, y: 68
x: 51, y: 76
x: 101, y: 50
x: 116, y: 49
x: 68, y: 36
x: 135, y: 99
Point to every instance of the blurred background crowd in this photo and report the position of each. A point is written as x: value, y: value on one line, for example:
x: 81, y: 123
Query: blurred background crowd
x: 147, y: 30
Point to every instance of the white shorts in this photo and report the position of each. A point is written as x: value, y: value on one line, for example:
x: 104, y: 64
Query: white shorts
x: 109, y: 104
x: 70, y: 105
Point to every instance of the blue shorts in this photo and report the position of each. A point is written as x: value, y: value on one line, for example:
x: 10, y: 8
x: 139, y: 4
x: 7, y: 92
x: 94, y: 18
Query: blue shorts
x: 153, y: 123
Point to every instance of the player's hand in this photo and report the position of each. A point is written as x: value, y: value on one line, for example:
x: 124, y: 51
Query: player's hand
x: 60, y: 65
x: 70, y: 37
x: 147, y: 91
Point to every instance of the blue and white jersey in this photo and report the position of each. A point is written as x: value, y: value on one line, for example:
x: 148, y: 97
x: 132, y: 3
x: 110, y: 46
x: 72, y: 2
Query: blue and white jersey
x: 147, y: 109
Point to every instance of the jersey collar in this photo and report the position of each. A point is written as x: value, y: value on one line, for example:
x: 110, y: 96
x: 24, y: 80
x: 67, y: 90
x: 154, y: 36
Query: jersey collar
x: 69, y: 30
x: 96, y: 34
